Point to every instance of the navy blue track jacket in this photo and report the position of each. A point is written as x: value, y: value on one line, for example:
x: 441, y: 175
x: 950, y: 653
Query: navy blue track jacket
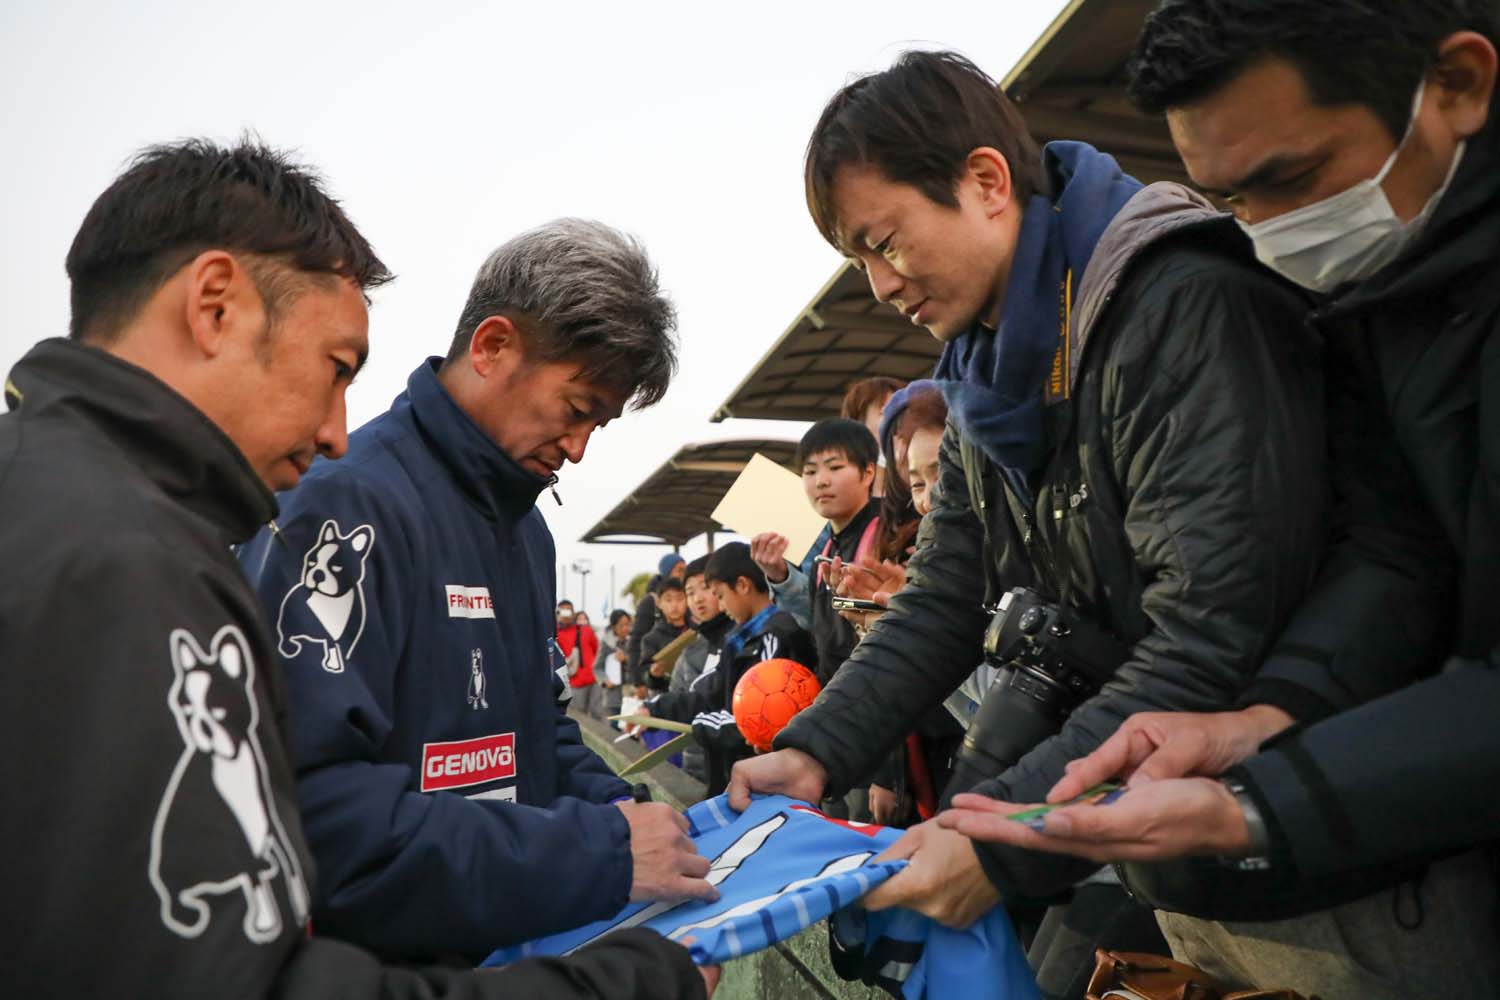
x: 449, y: 801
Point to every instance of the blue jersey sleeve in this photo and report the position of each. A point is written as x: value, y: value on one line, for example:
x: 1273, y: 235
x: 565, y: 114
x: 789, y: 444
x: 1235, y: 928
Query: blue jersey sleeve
x: 403, y: 871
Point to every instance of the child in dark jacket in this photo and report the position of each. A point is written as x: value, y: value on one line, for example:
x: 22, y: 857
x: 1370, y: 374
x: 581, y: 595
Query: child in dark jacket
x: 671, y: 622
x: 762, y: 632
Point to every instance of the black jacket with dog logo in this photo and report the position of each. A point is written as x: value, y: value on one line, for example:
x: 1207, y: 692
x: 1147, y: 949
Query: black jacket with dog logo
x: 150, y: 818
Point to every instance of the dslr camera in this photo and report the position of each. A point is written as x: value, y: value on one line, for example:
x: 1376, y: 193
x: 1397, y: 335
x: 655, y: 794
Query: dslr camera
x: 1051, y: 659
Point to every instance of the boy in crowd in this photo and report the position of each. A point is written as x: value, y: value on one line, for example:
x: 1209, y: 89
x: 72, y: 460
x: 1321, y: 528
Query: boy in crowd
x: 762, y: 632
x: 670, y: 564
x: 712, y: 625
x: 838, y: 461
x: 671, y: 622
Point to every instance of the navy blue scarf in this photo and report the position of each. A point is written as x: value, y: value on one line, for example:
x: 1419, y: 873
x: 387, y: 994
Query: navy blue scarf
x: 994, y: 381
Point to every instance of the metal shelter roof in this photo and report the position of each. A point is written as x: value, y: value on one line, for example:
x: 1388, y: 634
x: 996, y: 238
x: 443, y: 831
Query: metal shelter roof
x: 1069, y: 85
x: 676, y: 502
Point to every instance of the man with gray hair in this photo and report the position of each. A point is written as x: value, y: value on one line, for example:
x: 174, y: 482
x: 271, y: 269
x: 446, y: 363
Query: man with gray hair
x: 450, y: 803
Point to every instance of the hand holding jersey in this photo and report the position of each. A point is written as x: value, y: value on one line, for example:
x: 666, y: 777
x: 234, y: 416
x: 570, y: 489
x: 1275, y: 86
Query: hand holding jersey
x: 792, y: 773
x: 665, y: 864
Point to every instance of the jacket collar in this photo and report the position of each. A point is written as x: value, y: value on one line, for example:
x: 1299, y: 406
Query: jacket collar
x: 716, y: 628
x: 855, y: 528
x: 499, y: 486
x: 172, y: 442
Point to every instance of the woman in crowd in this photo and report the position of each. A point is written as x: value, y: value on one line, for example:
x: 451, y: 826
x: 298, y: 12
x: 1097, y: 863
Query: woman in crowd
x: 907, y: 788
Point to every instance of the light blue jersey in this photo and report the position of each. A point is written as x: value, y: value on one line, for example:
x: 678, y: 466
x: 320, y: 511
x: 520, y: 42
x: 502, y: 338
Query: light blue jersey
x: 780, y: 867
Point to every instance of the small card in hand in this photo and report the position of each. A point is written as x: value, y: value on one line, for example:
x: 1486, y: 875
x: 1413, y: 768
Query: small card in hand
x: 1099, y: 795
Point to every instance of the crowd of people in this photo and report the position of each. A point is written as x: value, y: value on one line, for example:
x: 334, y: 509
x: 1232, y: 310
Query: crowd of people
x: 1203, y: 498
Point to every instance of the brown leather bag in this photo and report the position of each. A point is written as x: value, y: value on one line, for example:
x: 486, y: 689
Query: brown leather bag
x: 1126, y: 975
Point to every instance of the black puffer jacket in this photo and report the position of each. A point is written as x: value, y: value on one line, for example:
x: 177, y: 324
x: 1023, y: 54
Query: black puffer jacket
x: 1183, y: 508
x: 1415, y: 427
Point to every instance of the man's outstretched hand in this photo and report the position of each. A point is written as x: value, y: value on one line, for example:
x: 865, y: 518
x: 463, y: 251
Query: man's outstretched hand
x: 783, y: 772
x: 1154, y: 821
x: 666, y: 864
x: 1154, y: 746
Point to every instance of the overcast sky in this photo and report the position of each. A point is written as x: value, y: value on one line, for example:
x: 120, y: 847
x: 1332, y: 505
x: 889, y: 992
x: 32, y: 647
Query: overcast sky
x: 446, y: 128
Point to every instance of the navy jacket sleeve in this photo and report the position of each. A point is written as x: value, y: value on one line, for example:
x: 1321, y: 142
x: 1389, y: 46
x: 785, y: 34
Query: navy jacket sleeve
x: 401, y: 871
x: 581, y: 774
x: 1404, y: 775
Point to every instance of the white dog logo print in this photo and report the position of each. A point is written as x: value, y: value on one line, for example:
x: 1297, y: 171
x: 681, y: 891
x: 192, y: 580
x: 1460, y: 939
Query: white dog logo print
x: 476, y: 681
x: 327, y: 606
x: 220, y: 794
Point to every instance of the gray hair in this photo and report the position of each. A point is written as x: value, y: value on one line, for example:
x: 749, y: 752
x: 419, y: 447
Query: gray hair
x: 580, y: 291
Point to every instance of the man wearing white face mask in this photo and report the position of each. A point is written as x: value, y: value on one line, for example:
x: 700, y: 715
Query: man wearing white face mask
x: 1381, y: 694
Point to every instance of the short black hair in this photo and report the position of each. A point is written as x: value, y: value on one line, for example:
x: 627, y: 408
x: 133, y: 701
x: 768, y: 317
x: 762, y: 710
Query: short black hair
x: 670, y: 583
x: 177, y: 200
x: 917, y: 123
x: 616, y: 615
x: 1370, y: 52
x: 695, y: 568
x: 731, y: 562
x: 565, y: 601
x: 850, y: 438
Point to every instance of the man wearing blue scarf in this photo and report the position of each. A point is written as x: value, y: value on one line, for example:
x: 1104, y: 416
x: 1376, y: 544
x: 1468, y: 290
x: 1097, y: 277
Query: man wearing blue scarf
x: 1135, y: 433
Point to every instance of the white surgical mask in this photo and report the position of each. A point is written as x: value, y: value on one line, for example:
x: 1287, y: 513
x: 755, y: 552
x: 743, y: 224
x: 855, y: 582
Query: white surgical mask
x: 1348, y: 236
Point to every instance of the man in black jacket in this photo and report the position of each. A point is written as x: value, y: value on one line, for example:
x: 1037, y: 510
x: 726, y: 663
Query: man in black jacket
x: 1137, y: 434
x: 1392, y: 756
x: 218, y: 315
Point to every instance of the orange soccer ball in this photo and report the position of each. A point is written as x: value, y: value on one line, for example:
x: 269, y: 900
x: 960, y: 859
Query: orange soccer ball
x: 767, y: 697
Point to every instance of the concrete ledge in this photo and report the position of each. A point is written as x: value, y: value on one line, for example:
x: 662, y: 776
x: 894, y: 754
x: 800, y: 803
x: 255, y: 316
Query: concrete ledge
x: 798, y: 968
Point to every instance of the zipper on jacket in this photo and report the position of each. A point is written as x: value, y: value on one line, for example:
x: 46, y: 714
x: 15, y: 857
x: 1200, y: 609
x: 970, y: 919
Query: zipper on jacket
x: 552, y: 485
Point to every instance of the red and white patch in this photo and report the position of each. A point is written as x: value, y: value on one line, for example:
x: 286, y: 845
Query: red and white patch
x: 868, y: 829
x: 469, y: 602
x: 461, y: 763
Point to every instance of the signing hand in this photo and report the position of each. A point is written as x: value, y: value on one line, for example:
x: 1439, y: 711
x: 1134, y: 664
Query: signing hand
x: 1157, y: 821
x: 782, y: 772
x: 665, y: 863
x: 942, y: 878
x: 1152, y: 746
x: 768, y: 549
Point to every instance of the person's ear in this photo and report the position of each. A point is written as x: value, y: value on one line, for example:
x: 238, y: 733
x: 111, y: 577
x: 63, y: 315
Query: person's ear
x: 1464, y: 75
x: 987, y: 173
x: 496, y: 348
x: 867, y: 476
x: 221, y: 302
